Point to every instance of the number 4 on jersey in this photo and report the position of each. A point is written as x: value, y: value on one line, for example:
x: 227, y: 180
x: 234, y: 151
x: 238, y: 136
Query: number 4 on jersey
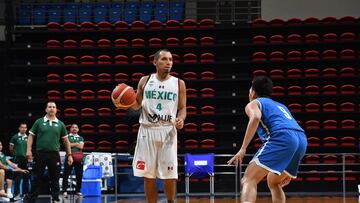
x: 158, y: 107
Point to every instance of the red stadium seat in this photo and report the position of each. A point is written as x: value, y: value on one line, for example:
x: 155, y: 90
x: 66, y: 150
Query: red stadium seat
x: 348, y: 123
x: 104, y: 77
x: 259, y: 23
x: 53, y: 95
x: 104, y: 128
x: 87, y: 94
x: 121, y: 42
x: 121, y: 128
x: 191, y: 144
x: 276, y: 39
x: 294, y: 90
x: 190, y: 41
x: 330, y: 37
x: 277, y: 73
x: 104, y: 94
x: 329, y: 72
x: 347, y: 37
x: 138, y: 25
x: 295, y: 107
x: 70, y: 77
x: 330, y: 124
x: 207, y: 143
x: 155, y: 42
x: 347, y: 141
x: 69, y: 43
x: 104, y: 25
x: 207, y: 23
x: 259, y: 73
x: 347, y: 107
x: 207, y: 58
x: 104, y: 43
x: 87, y: 112
x: 53, y: 60
x: 311, y: 21
x: 135, y: 127
x: 70, y: 94
x: 70, y: 60
x: 104, y: 111
x: 278, y: 91
x: 329, y: 20
x: 312, y: 159
x: 312, y: 55
x: 348, y: 89
x: 207, y: 75
x: 53, y: 77
x: 104, y: 59
x: 277, y: 56
x: 87, y: 128
x: 312, y: 38
x: 155, y: 25
x: 347, y: 72
x: 70, y: 26
x: 330, y: 142
x: 87, y: 43
x: 312, y: 107
x: 138, y: 59
x: 294, y: 21
x: 121, y: 59
x: 89, y: 146
x: 122, y: 145
x: 312, y: 72
x: 87, y: 60
x: 294, y: 38
x: 347, y: 20
x: 294, y: 56
x: 313, y: 141
x: 347, y: 54
x: 121, y: 25
x: 172, y: 41
x: 137, y: 76
x: 53, y: 26
x: 191, y: 92
x: 312, y: 124
x: 329, y: 107
x: 191, y: 110
x: 330, y: 159
x: 276, y: 22
x: 207, y: 110
x: 137, y: 42
x: 190, y: 76
x: 259, y: 39
x: 71, y: 112
x: 87, y: 77
x: 312, y: 90
x: 87, y: 26
x: 294, y: 73
x: 207, y: 92
x: 121, y: 77
x: 205, y: 41
x: 190, y: 127
x: 329, y: 89
x: 259, y: 56
x: 104, y: 146
x: 189, y: 24
x: 53, y: 44
x: 190, y: 58
x: 172, y: 24
x: 207, y: 126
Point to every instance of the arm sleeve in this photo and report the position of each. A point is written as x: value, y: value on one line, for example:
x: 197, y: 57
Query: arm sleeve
x: 34, y: 128
x: 63, y: 132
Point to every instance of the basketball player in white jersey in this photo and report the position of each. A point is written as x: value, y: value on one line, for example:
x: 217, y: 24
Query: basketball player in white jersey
x: 162, y: 99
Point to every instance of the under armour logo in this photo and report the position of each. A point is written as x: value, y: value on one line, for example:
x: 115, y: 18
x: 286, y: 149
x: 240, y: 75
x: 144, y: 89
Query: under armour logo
x: 161, y: 86
x: 170, y: 168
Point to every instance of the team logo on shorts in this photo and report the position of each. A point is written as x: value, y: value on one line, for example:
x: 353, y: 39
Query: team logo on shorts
x: 140, y: 165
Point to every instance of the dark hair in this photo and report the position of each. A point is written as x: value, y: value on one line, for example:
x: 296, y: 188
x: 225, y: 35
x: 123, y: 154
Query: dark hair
x: 157, y: 54
x: 262, y: 85
x: 50, y: 102
x: 22, y: 123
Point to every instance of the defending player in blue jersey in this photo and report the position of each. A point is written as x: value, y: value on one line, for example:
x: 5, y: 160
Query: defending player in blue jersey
x: 284, y: 143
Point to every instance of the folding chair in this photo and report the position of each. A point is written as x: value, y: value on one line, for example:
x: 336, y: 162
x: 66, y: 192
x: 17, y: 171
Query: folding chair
x: 199, y: 166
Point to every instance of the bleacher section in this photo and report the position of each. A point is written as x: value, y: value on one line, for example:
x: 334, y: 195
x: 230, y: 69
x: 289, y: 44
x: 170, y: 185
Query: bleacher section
x: 79, y: 58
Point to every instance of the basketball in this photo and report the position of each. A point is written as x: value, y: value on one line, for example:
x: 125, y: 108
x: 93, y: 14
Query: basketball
x: 123, y: 95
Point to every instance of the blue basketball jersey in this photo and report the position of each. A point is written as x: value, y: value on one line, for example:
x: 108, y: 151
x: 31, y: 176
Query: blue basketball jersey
x: 275, y: 116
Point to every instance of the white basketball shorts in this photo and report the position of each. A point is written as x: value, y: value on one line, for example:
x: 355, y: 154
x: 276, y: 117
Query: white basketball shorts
x: 156, y: 153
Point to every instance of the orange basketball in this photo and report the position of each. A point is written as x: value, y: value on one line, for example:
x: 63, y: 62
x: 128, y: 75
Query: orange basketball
x: 123, y: 95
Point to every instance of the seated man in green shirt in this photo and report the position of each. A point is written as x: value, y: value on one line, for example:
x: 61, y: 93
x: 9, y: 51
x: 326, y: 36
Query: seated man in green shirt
x: 7, y: 173
x: 17, y: 148
x: 77, y: 144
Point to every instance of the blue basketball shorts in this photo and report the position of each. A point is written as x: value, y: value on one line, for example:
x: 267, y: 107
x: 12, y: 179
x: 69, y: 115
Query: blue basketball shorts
x: 282, y: 152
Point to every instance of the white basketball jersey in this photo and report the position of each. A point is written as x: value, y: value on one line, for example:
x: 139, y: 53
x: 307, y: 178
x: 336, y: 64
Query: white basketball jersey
x: 160, y: 102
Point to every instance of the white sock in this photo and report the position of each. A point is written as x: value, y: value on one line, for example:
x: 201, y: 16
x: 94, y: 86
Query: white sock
x: 8, y: 190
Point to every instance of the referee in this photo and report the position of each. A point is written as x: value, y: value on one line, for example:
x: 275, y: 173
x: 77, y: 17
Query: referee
x: 47, y: 131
